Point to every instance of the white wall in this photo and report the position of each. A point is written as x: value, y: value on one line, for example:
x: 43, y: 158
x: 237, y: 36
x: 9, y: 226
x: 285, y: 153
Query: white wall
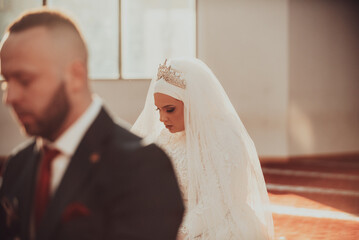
x: 125, y: 98
x: 324, y: 77
x: 10, y: 135
x: 246, y: 45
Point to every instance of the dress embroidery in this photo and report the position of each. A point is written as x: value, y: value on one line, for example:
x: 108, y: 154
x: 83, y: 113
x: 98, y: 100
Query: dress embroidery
x: 174, y: 144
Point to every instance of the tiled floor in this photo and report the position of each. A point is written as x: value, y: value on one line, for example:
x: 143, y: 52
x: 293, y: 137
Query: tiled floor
x: 314, y: 200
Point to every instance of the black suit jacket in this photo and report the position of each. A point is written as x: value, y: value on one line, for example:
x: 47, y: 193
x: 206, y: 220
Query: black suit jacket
x: 113, y: 188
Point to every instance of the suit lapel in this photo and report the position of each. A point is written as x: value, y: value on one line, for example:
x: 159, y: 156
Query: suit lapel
x: 76, y: 174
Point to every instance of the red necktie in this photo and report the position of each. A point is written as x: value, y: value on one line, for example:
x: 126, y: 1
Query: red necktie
x: 42, y: 193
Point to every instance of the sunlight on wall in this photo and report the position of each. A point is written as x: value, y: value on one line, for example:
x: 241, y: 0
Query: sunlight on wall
x: 301, y: 132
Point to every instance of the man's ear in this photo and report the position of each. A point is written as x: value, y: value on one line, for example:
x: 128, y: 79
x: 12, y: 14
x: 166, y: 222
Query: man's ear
x: 78, y: 75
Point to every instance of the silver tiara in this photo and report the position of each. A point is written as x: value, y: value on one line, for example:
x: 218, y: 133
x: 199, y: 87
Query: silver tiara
x: 171, y: 76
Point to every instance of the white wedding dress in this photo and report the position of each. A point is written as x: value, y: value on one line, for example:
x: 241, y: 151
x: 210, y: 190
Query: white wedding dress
x: 215, y: 160
x: 174, y: 144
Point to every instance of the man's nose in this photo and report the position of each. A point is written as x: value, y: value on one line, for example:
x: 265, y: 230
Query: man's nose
x: 11, y: 93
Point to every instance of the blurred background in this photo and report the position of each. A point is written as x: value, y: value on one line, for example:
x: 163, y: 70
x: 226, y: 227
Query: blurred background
x: 290, y: 68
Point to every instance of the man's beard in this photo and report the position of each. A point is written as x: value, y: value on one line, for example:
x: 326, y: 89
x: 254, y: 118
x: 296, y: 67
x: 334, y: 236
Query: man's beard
x: 53, y: 117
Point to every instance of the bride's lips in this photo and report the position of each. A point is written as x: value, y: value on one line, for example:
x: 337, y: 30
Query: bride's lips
x: 168, y: 126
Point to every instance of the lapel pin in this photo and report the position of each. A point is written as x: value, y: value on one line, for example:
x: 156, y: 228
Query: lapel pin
x: 94, y: 157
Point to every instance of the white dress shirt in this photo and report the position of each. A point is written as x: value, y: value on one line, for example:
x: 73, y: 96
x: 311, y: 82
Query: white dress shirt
x: 68, y: 142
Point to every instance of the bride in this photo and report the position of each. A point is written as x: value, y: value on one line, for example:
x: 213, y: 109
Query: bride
x: 188, y: 114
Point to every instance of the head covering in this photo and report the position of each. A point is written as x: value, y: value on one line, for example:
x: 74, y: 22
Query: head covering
x: 162, y: 86
x: 223, y: 166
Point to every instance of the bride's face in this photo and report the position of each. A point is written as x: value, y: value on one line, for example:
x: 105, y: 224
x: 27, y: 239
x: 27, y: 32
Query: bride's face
x: 171, y: 112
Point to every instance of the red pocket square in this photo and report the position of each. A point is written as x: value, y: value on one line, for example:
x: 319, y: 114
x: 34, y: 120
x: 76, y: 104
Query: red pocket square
x: 75, y: 210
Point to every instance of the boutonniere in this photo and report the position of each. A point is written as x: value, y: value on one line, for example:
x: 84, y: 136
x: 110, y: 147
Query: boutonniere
x: 75, y: 210
x: 11, y: 208
x: 94, y: 157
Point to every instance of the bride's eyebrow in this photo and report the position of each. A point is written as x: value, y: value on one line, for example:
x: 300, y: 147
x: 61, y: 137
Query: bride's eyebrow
x: 168, y: 106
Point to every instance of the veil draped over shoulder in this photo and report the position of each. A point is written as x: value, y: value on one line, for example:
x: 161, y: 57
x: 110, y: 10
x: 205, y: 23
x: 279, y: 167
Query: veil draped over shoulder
x: 224, y: 173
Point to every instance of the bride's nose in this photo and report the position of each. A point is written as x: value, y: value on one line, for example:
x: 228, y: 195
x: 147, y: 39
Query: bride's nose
x: 163, y: 117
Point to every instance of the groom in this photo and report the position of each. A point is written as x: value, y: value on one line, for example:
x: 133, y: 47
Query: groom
x: 83, y: 176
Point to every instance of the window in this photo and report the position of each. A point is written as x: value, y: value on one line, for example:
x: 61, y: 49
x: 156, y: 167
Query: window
x: 154, y: 30
x: 11, y: 9
x: 126, y: 38
x: 98, y: 21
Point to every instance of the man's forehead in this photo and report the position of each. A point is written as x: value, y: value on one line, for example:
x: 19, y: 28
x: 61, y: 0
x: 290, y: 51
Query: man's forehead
x: 28, y: 39
x: 24, y: 49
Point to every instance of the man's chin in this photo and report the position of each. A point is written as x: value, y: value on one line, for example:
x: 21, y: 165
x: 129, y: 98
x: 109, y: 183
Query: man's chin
x: 31, y: 130
x: 28, y: 131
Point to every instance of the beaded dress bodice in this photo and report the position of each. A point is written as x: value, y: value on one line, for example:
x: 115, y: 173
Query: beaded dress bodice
x: 174, y: 144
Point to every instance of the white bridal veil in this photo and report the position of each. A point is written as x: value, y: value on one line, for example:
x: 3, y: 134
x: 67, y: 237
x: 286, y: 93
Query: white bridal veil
x: 224, y: 172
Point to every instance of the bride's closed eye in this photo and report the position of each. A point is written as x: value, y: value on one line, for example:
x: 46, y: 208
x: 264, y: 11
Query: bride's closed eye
x: 169, y: 110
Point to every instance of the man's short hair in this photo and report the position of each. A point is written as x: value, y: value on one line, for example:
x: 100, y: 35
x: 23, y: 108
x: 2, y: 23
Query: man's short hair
x: 52, y: 20
x: 43, y: 17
